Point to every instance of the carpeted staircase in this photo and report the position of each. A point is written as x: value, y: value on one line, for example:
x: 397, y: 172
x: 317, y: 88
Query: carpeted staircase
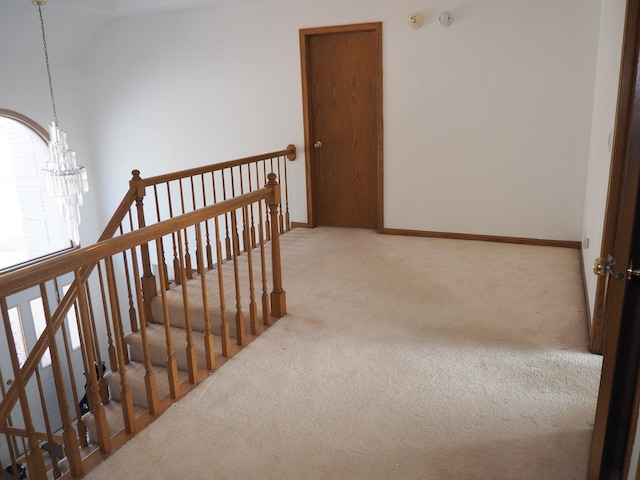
x: 250, y: 299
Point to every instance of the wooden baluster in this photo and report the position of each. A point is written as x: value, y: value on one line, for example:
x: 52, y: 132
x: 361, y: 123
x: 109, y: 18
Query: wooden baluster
x: 164, y: 264
x: 253, y: 307
x: 35, y: 460
x: 206, y: 228
x: 104, y: 390
x: 253, y: 226
x: 72, y: 446
x: 113, y: 360
x: 133, y: 318
x: 227, y: 240
x: 195, y: 227
x: 177, y: 274
x: 149, y: 377
x: 192, y: 362
x: 80, y: 427
x: 233, y: 183
x: 240, y: 335
x: 148, y: 280
x: 266, y: 309
x: 268, y: 218
x: 126, y: 398
x: 114, y: 303
x: 104, y: 395
x: 278, y: 295
x: 47, y: 426
x: 93, y: 389
x: 280, y: 214
x: 92, y: 318
x: 242, y: 235
x: 11, y: 440
x: 172, y: 366
x: 210, y: 355
x: 224, y: 325
x: 81, y: 431
x: 176, y: 262
x: 155, y: 194
x: 187, y: 256
x: 13, y: 450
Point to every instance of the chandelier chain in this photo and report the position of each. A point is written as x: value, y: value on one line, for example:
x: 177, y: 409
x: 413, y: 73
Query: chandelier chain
x: 46, y: 58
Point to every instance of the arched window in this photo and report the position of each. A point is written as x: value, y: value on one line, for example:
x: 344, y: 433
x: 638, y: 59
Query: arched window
x: 31, y: 223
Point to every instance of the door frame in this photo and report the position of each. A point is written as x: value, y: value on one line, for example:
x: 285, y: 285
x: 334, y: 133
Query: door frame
x: 611, y: 314
x: 305, y: 35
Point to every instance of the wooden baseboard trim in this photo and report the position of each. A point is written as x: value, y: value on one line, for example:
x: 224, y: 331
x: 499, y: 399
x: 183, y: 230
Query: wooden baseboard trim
x: 482, y: 238
x: 299, y: 225
x: 583, y: 270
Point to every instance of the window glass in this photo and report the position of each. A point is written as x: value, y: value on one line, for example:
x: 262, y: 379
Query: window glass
x: 18, y: 334
x: 39, y: 323
x: 72, y: 323
x: 33, y: 224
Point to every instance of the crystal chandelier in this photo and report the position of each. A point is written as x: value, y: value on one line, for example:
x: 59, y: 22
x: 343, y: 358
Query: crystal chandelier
x: 63, y: 178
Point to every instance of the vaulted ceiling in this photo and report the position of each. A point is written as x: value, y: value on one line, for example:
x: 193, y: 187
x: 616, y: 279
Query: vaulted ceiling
x: 71, y: 24
x: 120, y: 8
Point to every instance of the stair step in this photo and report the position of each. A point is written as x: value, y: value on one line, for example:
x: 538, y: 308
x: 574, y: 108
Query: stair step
x: 175, y: 302
x: 115, y: 419
x: 136, y: 382
x: 158, y: 346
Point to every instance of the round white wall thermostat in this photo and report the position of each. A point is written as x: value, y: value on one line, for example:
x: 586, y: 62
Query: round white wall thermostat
x: 445, y: 19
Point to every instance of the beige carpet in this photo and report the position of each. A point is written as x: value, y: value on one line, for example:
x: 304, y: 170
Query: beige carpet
x: 400, y: 358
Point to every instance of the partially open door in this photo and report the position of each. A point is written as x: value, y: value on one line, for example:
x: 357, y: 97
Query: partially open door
x: 619, y: 395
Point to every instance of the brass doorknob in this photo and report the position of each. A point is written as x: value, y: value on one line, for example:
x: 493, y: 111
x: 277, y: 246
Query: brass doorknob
x: 603, y: 265
x: 318, y: 144
x: 598, y: 268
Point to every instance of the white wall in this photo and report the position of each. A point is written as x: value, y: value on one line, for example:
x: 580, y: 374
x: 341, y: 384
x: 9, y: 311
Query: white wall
x: 486, y: 122
x: 490, y: 134
x: 602, y: 127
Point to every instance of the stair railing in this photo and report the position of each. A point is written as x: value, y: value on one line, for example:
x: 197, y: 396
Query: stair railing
x: 217, y: 194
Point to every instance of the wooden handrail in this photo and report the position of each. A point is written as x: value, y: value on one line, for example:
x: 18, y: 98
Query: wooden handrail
x: 290, y: 153
x: 33, y: 261
x: 34, y: 274
x: 119, y: 215
x: 87, y: 258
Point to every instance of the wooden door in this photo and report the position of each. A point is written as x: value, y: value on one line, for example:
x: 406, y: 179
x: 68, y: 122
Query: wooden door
x: 342, y: 89
x: 619, y: 396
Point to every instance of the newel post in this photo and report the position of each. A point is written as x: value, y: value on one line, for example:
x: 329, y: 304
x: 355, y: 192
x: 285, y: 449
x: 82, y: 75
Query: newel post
x: 149, y: 289
x: 278, y: 295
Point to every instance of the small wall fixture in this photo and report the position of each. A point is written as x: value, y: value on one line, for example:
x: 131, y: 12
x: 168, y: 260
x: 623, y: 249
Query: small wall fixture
x: 415, y: 20
x: 445, y: 18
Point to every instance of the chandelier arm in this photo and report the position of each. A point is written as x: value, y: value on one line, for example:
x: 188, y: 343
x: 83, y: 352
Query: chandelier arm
x: 46, y: 59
